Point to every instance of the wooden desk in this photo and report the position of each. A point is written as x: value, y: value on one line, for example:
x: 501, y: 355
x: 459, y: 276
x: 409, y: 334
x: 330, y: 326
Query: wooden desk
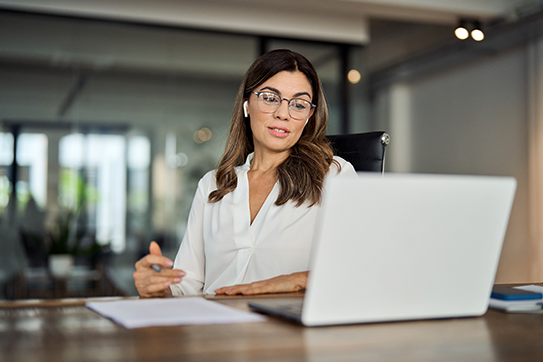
x: 68, y: 331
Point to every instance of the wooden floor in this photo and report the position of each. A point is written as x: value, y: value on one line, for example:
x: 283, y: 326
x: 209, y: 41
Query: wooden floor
x: 68, y: 331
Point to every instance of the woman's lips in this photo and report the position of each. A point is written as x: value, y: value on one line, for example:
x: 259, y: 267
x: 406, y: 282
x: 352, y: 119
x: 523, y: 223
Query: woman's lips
x: 279, y: 132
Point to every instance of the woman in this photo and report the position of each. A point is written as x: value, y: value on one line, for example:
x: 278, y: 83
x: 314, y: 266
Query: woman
x: 251, y: 222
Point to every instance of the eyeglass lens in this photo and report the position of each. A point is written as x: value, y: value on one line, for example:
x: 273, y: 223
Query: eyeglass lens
x: 297, y: 108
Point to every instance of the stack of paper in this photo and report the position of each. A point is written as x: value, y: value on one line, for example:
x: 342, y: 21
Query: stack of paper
x: 535, y: 305
x: 171, y: 311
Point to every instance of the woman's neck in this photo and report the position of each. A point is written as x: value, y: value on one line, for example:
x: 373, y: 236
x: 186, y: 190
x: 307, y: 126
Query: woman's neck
x: 264, y: 162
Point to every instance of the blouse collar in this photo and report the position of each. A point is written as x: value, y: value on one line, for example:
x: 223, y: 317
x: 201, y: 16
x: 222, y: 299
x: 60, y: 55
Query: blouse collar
x: 248, y: 160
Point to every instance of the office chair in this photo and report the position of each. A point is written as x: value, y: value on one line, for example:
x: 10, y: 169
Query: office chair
x: 365, y: 151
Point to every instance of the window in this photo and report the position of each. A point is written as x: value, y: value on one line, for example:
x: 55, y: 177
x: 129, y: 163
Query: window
x: 93, y: 184
x: 127, y: 107
x: 32, y: 169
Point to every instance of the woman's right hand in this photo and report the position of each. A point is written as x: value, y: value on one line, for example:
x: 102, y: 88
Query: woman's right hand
x: 151, y: 283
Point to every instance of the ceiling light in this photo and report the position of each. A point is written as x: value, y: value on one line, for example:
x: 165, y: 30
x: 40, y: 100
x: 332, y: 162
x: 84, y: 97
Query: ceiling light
x: 461, y: 32
x: 477, y: 34
x: 354, y: 76
x: 202, y: 135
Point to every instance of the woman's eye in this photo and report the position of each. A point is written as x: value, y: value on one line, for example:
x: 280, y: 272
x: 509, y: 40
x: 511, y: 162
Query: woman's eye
x: 271, y: 98
x: 299, y: 105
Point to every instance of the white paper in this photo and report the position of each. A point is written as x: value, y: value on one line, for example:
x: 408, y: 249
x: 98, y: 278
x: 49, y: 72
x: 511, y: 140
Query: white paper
x: 516, y: 305
x: 171, y: 311
x: 531, y: 288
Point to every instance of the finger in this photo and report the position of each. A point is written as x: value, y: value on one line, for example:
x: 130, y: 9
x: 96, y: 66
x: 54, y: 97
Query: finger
x: 148, y: 283
x: 144, y: 287
x: 230, y: 290
x: 261, y: 289
x: 156, y: 280
x: 274, y: 285
x: 154, y: 248
x: 150, y: 259
x: 254, y: 291
x: 171, y: 273
x: 224, y: 290
x: 155, y: 288
x: 174, y: 276
x: 233, y: 290
x: 149, y: 276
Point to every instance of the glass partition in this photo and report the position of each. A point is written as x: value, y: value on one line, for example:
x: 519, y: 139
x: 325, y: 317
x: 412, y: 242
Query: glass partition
x: 116, y: 123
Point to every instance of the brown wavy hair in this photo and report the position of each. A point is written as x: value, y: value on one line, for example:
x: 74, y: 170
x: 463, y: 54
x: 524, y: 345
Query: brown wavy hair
x: 301, y: 175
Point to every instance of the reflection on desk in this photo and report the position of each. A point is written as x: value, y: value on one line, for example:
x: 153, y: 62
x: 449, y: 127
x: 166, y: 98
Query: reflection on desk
x: 38, y: 283
x: 68, y: 331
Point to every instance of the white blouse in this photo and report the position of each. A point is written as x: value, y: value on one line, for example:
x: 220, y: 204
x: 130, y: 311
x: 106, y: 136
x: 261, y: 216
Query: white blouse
x: 221, y: 247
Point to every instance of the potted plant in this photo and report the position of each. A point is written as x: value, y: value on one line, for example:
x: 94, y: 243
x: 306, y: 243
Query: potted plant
x: 61, y: 245
x: 70, y: 239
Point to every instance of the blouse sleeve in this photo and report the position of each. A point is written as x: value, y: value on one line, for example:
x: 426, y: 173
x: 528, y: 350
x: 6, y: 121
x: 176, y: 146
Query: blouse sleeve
x: 347, y: 168
x: 191, y: 257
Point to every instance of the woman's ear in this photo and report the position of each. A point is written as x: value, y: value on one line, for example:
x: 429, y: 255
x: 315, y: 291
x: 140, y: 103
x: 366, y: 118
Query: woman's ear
x: 310, y: 115
x: 245, y: 109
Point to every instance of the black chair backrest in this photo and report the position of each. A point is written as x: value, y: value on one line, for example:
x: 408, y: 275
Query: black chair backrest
x: 365, y: 151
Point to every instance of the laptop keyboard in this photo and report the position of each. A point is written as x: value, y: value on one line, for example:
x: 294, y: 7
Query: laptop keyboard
x: 291, y: 309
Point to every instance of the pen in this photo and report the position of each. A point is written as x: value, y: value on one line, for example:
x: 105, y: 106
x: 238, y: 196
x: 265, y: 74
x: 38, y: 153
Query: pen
x: 155, y: 267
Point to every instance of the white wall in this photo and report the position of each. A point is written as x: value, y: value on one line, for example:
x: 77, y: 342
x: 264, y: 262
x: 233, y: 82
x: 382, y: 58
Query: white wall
x: 535, y: 141
x: 473, y: 119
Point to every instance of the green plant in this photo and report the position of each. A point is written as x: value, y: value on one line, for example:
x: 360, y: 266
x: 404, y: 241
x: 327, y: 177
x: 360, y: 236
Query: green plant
x: 61, y: 239
x: 70, y: 234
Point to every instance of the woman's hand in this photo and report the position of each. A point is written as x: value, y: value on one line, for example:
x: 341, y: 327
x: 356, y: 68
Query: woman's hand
x: 294, y: 282
x: 151, y: 283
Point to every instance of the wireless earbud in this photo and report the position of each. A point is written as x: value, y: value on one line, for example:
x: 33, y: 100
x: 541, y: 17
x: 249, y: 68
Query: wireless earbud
x: 307, y: 120
x: 245, y: 109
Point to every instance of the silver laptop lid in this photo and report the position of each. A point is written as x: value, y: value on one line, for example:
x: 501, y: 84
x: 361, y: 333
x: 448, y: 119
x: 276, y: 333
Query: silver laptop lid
x: 406, y: 246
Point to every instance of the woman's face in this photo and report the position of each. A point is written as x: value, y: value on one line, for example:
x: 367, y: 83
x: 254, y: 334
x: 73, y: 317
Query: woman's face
x: 278, y: 131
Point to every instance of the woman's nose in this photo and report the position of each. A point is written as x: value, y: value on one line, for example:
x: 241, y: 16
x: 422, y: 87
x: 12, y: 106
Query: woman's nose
x: 282, y: 110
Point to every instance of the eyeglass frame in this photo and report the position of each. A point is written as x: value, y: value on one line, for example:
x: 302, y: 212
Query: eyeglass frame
x: 281, y: 101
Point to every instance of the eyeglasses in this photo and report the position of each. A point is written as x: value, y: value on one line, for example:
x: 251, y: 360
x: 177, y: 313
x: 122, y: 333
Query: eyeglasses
x: 298, y: 108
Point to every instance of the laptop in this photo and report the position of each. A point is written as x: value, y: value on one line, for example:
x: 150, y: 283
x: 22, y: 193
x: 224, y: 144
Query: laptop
x: 402, y: 247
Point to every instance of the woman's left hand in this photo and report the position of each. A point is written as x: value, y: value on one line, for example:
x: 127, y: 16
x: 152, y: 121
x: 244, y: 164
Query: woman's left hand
x: 294, y: 282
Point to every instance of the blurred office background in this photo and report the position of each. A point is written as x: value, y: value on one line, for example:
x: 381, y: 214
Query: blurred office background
x: 111, y: 111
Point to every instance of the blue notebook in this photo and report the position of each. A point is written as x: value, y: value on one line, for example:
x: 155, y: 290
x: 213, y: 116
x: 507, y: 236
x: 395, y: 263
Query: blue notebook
x: 508, y: 293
